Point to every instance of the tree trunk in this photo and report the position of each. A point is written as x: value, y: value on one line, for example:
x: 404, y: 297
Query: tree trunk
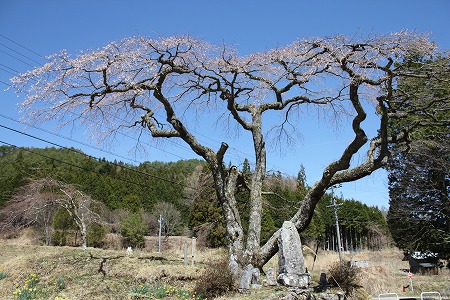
x: 240, y: 255
x: 48, y: 235
x: 235, y: 233
x: 83, y: 234
x: 254, y: 228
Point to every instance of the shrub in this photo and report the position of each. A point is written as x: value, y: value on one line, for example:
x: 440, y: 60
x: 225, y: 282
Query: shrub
x: 113, y: 241
x: 216, y: 279
x: 59, y: 238
x: 3, y: 275
x: 345, y: 276
x: 133, y: 230
x: 95, y: 235
x: 62, y: 224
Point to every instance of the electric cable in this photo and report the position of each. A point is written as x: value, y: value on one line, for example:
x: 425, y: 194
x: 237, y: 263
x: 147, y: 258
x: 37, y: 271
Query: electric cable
x: 236, y: 150
x: 64, y: 162
x: 92, y: 157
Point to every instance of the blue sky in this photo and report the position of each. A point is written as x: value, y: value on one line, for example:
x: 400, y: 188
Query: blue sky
x: 32, y: 29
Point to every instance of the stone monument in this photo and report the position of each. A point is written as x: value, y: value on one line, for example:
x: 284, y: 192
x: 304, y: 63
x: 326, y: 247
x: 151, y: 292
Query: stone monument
x: 249, y: 279
x: 270, y: 277
x: 291, y: 263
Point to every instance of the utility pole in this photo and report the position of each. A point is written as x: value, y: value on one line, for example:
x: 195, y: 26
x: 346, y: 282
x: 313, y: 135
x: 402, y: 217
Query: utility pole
x: 335, y: 206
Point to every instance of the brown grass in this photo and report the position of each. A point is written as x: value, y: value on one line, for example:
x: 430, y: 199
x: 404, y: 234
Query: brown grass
x: 80, y: 269
x: 384, y: 273
x: 20, y: 257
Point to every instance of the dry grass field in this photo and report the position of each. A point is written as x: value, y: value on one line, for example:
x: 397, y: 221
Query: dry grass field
x: 82, y: 275
x: 384, y: 273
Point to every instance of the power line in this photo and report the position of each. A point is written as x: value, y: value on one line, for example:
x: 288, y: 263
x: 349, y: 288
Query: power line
x: 20, y: 54
x: 17, y: 59
x: 70, y: 139
x: 7, y: 84
x: 92, y: 157
x: 90, y: 146
x: 67, y: 163
x: 236, y: 150
x: 20, y: 45
x: 8, y: 71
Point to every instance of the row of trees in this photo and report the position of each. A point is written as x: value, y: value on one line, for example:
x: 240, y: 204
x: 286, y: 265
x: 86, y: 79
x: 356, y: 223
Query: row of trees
x: 362, y: 227
x: 61, y: 212
x: 60, y: 207
x: 116, y: 184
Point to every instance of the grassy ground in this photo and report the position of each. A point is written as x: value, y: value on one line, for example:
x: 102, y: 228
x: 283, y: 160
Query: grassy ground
x: 70, y: 273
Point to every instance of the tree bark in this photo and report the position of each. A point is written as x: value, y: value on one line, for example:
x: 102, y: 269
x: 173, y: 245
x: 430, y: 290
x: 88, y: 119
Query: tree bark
x: 254, y: 228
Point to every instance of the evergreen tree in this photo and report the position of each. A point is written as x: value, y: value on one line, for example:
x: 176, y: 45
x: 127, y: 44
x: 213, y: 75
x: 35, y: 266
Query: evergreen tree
x: 11, y: 177
x: 205, y: 215
x: 133, y: 230
x: 419, y: 172
x: 63, y: 224
x: 95, y: 235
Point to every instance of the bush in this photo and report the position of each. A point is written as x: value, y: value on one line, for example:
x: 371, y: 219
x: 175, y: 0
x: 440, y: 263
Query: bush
x: 345, y: 276
x: 133, y: 230
x: 216, y: 279
x: 59, y: 238
x: 95, y: 235
x: 113, y: 241
x: 62, y: 224
x: 3, y: 275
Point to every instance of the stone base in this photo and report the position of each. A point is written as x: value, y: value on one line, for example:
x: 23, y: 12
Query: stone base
x: 294, y: 280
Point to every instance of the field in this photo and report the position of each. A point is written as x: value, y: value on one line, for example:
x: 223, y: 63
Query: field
x: 70, y: 273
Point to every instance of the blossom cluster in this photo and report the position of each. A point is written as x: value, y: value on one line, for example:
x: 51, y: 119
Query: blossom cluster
x: 28, y: 290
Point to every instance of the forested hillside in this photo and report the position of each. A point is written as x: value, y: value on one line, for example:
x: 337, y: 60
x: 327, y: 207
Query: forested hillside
x: 183, y: 192
x: 108, y: 182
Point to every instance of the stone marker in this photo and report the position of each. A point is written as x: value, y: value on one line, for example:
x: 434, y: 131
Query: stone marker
x: 323, y: 282
x: 249, y: 279
x: 270, y: 277
x: 255, y: 276
x: 291, y: 270
x: 246, y: 279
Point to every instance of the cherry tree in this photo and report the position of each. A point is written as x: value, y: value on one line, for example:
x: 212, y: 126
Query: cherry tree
x: 30, y: 206
x: 36, y: 202
x: 163, y: 88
